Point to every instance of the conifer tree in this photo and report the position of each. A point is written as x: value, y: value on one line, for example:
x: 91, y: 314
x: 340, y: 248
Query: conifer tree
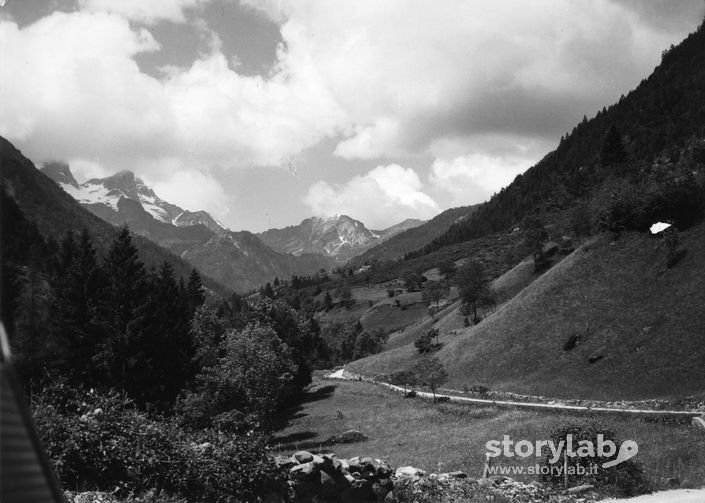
x: 125, y: 294
x: 194, y: 291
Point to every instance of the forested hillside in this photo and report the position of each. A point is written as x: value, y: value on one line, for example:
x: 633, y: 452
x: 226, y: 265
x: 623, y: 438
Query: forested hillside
x: 655, y: 122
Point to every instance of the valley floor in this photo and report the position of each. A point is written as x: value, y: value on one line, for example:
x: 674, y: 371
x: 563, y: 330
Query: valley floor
x: 447, y: 437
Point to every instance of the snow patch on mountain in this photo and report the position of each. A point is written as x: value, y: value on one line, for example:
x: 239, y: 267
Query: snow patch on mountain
x: 90, y: 193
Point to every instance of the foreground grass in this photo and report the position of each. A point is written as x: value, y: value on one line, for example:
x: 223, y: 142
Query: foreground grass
x: 446, y: 437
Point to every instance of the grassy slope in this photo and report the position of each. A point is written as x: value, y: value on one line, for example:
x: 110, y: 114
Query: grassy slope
x: 452, y: 437
x: 645, y: 319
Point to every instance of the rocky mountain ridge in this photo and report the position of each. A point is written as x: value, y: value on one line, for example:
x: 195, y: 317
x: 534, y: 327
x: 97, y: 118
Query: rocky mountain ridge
x: 339, y: 236
x: 239, y: 260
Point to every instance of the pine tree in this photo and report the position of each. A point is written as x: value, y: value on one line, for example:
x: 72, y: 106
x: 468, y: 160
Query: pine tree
x: 194, y: 291
x: 267, y: 291
x: 75, y: 310
x: 612, y: 152
x: 125, y: 294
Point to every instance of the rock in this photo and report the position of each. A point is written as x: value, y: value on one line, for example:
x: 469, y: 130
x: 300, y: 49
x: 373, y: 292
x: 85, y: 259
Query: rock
x: 581, y: 489
x: 285, y: 462
x: 389, y: 498
x: 409, y: 471
x: 303, y: 456
x: 383, y: 469
x: 304, y: 471
x: 354, y: 465
x: 458, y: 475
x: 347, y: 437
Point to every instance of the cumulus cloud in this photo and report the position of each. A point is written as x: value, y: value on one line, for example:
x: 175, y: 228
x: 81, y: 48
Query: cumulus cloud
x: 383, y: 80
x: 194, y: 190
x: 70, y: 88
x: 473, y: 178
x: 145, y: 11
x: 409, y: 72
x: 380, y: 198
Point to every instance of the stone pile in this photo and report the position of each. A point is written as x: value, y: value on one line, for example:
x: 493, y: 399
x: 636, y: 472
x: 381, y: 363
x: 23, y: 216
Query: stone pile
x: 327, y: 478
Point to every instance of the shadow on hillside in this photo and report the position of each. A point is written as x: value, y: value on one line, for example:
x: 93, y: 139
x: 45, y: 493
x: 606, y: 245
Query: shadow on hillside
x: 292, y: 439
x: 295, y: 411
x: 318, y: 393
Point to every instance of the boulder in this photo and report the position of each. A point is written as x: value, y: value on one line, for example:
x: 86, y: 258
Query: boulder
x: 304, y: 471
x: 409, y: 471
x: 303, y: 456
x: 285, y: 462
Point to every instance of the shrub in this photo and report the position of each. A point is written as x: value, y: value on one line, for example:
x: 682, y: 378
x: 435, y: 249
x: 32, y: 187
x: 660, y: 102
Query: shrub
x: 625, y: 479
x: 423, y: 343
x: 100, y: 442
x: 480, y: 389
x: 571, y: 342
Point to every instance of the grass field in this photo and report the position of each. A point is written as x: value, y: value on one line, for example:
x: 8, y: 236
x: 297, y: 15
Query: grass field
x: 638, y: 325
x: 446, y: 437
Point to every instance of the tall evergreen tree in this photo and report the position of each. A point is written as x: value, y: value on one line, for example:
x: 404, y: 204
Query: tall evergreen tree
x: 194, y: 291
x: 612, y: 152
x: 125, y: 294
x: 78, y: 286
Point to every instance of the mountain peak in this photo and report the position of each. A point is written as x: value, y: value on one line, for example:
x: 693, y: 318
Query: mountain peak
x: 60, y: 172
x: 122, y: 180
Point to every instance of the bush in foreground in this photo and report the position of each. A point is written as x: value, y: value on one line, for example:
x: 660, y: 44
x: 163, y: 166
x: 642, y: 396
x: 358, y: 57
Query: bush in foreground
x: 101, y: 442
x: 625, y: 479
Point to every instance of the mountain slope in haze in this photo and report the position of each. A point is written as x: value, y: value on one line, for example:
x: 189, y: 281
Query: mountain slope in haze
x: 636, y: 326
x: 239, y: 260
x: 54, y: 213
x: 339, y: 236
x: 656, y: 119
x: 414, y: 238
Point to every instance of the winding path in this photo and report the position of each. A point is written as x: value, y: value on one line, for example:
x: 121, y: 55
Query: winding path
x: 346, y: 375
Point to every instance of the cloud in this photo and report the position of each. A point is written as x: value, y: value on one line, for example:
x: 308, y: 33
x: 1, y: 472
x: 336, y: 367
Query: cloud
x: 410, y: 72
x: 145, y: 11
x: 380, y: 198
x: 382, y: 80
x: 70, y: 88
x: 473, y: 178
x: 194, y: 190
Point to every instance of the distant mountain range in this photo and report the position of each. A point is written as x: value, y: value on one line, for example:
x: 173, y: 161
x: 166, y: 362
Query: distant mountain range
x: 239, y: 260
x: 54, y: 212
x: 339, y: 237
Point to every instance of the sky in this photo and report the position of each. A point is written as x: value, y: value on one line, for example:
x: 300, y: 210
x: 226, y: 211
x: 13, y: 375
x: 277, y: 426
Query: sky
x: 266, y: 112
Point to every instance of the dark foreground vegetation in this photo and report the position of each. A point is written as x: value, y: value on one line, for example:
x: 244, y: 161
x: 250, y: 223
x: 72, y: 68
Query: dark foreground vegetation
x: 140, y: 380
